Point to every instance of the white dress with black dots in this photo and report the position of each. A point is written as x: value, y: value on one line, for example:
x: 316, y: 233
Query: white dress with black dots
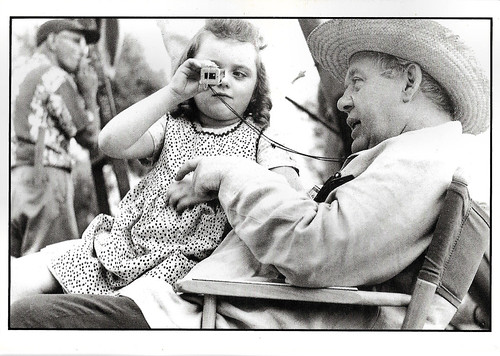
x: 147, y: 237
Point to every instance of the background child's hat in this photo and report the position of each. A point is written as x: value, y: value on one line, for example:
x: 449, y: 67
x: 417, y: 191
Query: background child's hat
x: 438, y: 51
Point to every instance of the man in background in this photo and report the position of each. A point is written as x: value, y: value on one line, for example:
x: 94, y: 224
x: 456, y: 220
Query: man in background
x: 53, y: 101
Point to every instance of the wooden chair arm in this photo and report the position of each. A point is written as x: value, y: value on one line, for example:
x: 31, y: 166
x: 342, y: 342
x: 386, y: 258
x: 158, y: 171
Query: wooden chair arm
x: 283, y: 291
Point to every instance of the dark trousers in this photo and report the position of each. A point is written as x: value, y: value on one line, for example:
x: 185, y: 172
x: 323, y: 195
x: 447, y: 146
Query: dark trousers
x: 76, y: 311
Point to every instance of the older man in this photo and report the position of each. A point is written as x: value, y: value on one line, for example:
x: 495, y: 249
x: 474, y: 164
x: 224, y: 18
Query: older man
x: 410, y: 107
x: 54, y: 100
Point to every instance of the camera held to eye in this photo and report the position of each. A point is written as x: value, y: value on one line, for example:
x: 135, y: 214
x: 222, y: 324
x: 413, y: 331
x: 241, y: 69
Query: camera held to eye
x: 211, y: 76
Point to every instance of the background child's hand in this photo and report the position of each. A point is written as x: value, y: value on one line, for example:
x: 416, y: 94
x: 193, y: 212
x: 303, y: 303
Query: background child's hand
x: 181, y: 195
x: 185, y: 82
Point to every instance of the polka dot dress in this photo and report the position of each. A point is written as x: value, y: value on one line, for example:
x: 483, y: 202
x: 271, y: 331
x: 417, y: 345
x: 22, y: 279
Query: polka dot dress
x: 147, y: 237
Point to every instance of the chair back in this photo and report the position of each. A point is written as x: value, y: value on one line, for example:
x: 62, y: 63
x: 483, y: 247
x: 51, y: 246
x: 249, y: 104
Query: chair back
x: 458, y: 244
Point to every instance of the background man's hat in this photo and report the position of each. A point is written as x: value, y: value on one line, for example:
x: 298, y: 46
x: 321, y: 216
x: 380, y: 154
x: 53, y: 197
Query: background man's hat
x: 438, y: 51
x: 56, y: 26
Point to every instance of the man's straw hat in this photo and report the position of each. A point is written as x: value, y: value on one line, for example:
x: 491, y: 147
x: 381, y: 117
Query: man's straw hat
x: 438, y: 51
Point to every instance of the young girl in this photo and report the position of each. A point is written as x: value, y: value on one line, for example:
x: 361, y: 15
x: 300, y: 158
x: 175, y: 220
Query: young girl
x: 147, y: 237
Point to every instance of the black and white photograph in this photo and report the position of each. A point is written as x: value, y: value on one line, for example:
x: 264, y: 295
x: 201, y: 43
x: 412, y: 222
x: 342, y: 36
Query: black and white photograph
x: 249, y: 178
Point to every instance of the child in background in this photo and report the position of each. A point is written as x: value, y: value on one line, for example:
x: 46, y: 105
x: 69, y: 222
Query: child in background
x: 147, y: 237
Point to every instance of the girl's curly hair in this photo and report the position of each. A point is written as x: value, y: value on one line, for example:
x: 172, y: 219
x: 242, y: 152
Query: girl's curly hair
x: 260, y: 104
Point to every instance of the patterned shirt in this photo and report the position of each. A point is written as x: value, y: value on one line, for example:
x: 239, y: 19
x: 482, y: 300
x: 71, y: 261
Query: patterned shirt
x: 44, y: 95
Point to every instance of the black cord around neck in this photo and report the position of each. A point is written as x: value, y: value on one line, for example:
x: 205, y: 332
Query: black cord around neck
x: 273, y: 142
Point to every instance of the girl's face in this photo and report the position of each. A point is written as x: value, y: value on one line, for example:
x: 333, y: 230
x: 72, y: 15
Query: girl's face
x: 238, y: 59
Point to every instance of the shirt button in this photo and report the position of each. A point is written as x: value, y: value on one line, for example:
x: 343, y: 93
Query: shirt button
x: 337, y: 175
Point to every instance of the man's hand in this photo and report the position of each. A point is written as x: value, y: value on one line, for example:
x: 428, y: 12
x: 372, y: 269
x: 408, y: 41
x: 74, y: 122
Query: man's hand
x: 87, y: 81
x: 203, y: 186
x: 209, y: 172
x: 181, y: 195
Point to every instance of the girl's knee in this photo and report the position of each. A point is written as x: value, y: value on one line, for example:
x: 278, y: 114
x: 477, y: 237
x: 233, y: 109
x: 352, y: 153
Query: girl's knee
x: 30, y: 276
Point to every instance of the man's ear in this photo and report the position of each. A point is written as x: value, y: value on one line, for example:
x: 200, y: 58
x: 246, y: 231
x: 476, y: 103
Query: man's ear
x: 413, y: 78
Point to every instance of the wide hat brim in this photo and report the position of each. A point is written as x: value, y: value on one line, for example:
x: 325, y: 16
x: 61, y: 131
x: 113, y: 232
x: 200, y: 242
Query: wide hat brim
x: 438, y: 51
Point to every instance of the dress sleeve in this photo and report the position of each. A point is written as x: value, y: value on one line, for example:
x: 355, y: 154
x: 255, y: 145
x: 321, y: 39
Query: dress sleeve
x: 157, y: 134
x: 270, y: 157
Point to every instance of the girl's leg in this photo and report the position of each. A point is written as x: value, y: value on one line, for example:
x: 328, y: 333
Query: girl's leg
x: 29, y: 275
x: 76, y: 311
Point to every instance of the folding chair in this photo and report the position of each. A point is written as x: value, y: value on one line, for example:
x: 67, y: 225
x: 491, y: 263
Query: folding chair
x: 451, y: 261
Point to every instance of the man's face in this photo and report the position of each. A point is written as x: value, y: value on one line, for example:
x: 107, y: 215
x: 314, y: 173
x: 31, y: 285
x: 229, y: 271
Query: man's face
x: 372, y: 103
x: 69, y: 48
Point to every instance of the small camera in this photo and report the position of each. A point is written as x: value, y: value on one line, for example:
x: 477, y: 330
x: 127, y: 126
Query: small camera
x: 211, y: 76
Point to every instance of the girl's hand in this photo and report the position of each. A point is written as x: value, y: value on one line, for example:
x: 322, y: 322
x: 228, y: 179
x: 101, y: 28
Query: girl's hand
x: 181, y: 195
x: 186, y: 81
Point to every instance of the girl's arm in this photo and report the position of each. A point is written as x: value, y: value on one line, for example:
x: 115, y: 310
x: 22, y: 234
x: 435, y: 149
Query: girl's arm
x: 125, y: 136
x: 291, y: 176
x: 278, y: 161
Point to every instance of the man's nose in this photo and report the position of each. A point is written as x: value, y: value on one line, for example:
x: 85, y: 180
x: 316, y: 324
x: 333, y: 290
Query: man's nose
x: 84, y: 48
x: 345, y: 103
